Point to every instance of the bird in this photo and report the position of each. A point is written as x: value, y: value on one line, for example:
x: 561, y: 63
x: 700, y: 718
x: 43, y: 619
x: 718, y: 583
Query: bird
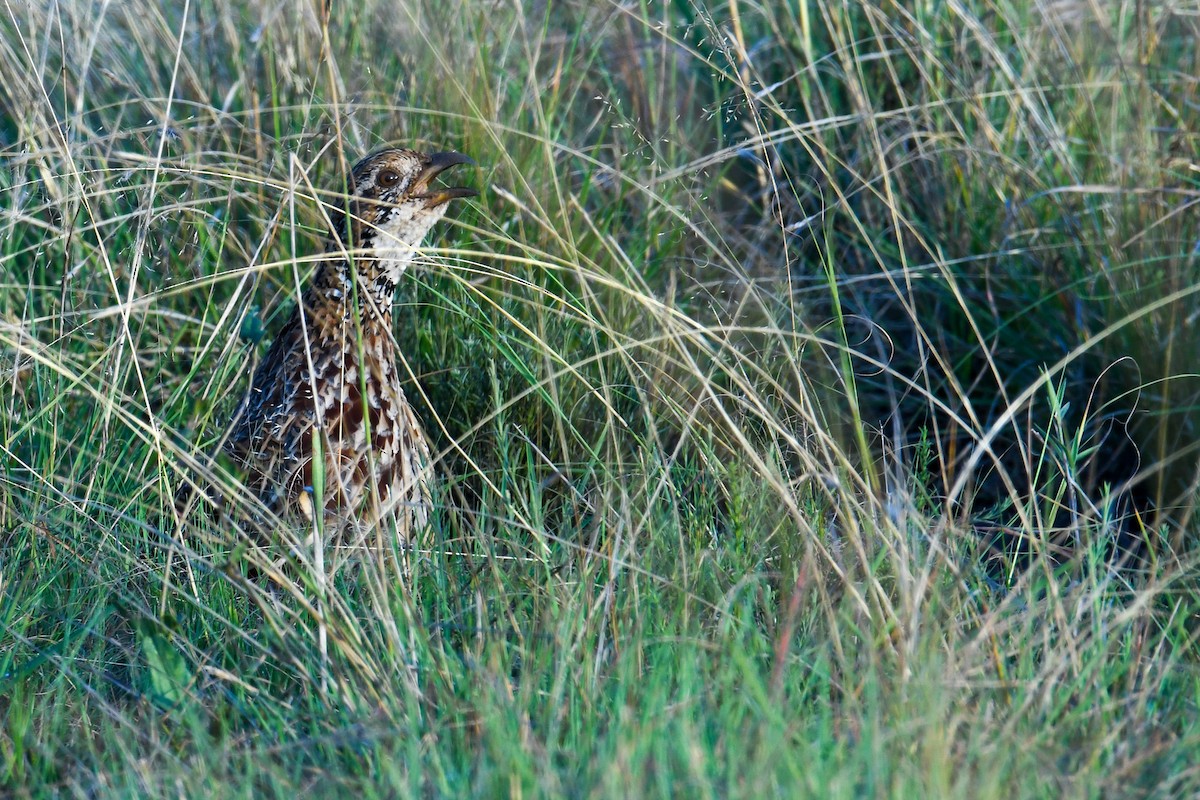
x: 324, y: 428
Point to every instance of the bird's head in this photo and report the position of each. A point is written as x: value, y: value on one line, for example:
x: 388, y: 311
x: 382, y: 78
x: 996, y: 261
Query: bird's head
x: 392, y: 205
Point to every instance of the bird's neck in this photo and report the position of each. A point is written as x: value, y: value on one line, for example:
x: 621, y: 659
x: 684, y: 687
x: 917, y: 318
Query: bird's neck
x: 344, y: 290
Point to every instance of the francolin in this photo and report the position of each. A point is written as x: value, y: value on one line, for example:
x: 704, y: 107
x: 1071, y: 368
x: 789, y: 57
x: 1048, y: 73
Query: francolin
x: 329, y: 382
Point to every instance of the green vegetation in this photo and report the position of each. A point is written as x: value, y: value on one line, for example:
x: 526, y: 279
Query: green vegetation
x: 814, y: 383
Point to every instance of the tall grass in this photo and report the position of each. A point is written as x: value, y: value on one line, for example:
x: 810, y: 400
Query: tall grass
x: 813, y: 388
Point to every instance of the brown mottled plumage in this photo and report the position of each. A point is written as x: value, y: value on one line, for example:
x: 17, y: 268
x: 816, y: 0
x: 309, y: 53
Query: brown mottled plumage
x: 331, y: 372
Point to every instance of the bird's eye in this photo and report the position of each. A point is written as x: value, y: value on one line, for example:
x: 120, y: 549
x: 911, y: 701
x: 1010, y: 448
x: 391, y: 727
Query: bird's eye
x: 388, y: 178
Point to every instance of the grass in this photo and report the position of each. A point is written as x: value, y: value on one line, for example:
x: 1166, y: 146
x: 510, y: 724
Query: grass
x: 813, y: 386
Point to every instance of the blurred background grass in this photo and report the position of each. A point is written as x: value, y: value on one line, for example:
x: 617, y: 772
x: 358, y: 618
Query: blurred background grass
x: 813, y: 384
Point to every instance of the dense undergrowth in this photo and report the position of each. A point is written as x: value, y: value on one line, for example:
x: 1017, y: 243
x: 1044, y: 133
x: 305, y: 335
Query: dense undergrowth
x: 813, y: 386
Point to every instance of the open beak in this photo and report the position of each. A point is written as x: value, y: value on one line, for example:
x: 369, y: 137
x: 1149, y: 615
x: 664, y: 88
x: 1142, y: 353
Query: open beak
x: 437, y: 164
